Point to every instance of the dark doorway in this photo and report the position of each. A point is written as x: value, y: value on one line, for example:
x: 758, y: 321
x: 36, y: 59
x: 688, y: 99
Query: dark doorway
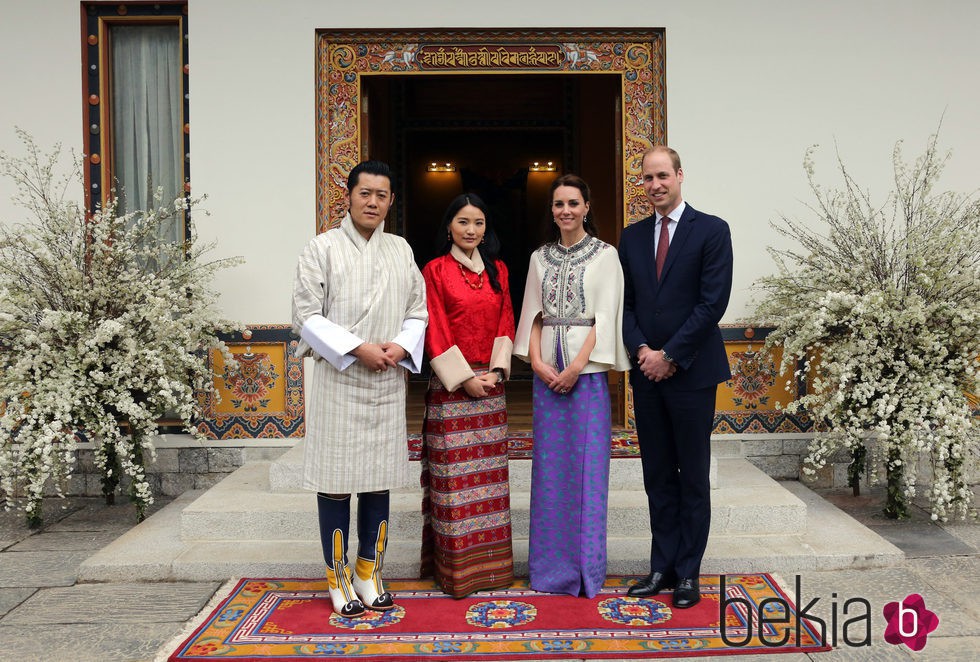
x: 492, y: 128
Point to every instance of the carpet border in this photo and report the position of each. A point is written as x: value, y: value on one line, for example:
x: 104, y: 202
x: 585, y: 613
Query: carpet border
x: 226, y: 591
x: 195, y: 624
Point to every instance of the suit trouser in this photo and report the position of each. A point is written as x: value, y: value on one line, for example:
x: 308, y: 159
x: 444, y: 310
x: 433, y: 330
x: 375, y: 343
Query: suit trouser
x: 674, y: 432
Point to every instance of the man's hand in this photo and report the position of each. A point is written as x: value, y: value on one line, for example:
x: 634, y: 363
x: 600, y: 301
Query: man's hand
x: 374, y: 357
x: 394, y: 351
x: 653, y: 365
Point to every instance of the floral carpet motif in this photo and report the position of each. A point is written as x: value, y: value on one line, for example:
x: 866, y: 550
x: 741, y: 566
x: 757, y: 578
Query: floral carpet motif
x: 292, y: 619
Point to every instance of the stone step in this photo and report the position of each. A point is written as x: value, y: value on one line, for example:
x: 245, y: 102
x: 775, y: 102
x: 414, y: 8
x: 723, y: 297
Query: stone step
x: 747, y: 502
x: 256, y: 523
x: 154, y: 551
x: 286, y: 472
x: 625, y: 556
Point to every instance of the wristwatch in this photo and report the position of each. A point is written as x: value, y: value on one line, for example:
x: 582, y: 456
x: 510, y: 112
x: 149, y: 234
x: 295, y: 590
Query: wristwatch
x: 500, y: 374
x: 667, y: 357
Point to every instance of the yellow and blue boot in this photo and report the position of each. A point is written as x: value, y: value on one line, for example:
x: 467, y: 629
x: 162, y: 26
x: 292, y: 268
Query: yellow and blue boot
x: 372, y: 538
x: 334, y: 517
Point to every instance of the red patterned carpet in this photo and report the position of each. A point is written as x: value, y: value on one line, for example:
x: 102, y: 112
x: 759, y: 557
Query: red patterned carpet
x: 291, y: 619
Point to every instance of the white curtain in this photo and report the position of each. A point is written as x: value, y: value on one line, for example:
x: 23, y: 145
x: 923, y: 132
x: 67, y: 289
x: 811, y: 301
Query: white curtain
x: 146, y: 118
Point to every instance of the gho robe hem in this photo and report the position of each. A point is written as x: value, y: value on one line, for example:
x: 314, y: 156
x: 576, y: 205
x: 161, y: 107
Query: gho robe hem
x: 350, y: 290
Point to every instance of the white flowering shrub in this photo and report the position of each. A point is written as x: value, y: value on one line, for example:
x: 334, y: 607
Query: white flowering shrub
x: 104, y: 328
x: 880, y: 310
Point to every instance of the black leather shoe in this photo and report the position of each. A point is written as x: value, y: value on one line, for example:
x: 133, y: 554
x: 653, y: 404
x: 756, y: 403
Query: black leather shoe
x: 687, y: 594
x: 651, y: 585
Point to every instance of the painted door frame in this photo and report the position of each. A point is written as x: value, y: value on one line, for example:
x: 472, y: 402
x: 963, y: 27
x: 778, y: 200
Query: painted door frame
x: 343, y: 57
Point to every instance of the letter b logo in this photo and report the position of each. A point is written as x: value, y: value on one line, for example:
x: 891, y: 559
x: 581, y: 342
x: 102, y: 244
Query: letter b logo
x: 909, y: 622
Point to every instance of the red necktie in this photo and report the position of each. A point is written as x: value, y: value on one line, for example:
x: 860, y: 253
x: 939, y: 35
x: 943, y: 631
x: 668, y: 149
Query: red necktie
x: 662, y: 244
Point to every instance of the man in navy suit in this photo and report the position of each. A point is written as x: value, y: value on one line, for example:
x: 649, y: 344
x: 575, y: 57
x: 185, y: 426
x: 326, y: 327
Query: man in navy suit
x: 677, y: 265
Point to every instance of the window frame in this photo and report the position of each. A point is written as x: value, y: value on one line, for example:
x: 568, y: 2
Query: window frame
x: 97, y: 20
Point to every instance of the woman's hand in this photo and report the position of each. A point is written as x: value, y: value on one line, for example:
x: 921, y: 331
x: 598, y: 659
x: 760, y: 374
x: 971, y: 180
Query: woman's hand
x: 491, y: 379
x: 545, y: 372
x: 475, y: 387
x: 565, y: 381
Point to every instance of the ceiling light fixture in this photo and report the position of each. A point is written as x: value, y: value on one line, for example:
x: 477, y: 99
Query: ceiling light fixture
x: 547, y: 166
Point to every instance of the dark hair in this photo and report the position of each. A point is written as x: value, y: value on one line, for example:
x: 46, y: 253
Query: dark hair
x: 577, y: 182
x: 489, y: 248
x: 379, y: 168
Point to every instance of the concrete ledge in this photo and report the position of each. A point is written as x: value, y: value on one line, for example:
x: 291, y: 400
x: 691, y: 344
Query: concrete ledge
x: 286, y: 472
x: 145, y: 552
x: 240, y: 528
x: 231, y: 511
x: 215, y: 561
x: 837, y: 539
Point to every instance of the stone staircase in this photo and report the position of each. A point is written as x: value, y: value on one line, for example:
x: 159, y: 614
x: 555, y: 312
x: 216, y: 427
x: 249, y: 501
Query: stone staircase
x: 257, y: 523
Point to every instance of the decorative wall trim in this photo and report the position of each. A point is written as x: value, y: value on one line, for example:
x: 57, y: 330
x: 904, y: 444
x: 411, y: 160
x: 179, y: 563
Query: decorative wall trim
x: 97, y: 19
x: 266, y: 399
x: 344, y: 56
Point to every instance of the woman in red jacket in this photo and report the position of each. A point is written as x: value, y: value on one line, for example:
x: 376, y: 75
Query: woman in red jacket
x: 466, y: 540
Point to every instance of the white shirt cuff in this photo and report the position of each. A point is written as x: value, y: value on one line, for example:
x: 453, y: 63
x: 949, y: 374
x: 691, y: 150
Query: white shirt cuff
x: 331, y: 341
x: 412, y: 339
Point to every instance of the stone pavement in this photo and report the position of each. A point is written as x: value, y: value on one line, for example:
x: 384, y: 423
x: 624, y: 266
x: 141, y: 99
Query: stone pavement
x: 45, y: 614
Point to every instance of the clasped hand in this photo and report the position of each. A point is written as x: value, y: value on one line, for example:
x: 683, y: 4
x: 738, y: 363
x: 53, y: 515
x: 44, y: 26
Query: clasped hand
x: 479, y: 386
x: 379, y: 357
x: 653, y: 365
x: 559, y: 382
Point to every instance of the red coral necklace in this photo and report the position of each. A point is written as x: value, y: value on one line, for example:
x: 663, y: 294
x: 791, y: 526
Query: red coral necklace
x: 479, y: 278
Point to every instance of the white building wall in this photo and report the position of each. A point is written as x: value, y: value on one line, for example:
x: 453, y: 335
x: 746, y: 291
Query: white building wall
x: 750, y: 85
x: 42, y: 82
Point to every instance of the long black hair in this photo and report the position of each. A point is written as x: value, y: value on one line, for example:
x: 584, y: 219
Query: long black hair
x: 588, y: 224
x: 489, y: 248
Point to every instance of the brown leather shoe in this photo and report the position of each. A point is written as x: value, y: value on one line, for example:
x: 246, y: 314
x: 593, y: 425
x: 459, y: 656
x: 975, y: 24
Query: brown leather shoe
x: 651, y: 585
x: 687, y: 594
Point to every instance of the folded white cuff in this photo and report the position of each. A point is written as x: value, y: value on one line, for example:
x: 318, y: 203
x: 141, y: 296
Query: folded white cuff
x: 451, y: 368
x: 331, y: 341
x: 412, y: 339
x: 500, y: 355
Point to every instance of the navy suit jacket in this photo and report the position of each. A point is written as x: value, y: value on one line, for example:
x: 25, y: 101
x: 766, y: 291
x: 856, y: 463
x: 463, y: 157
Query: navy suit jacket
x: 680, y: 311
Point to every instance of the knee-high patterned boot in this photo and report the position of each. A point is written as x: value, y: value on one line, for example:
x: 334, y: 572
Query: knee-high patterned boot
x: 334, y: 517
x: 372, y: 538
